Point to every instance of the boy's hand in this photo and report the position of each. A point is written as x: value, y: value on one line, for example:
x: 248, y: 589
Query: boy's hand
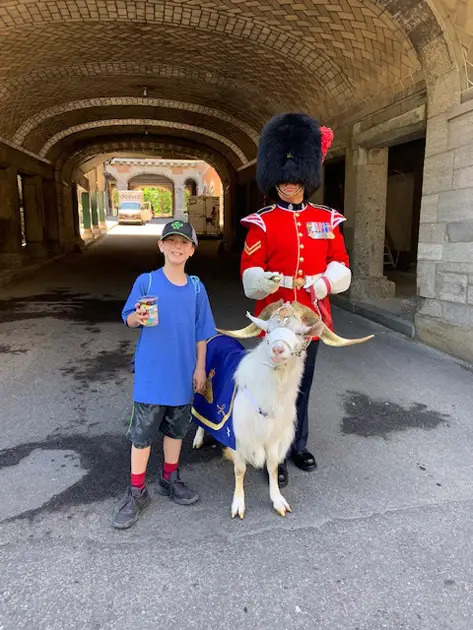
x: 199, y: 379
x: 138, y: 318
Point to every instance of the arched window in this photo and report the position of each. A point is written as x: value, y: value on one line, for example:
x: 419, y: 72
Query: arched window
x: 191, y: 186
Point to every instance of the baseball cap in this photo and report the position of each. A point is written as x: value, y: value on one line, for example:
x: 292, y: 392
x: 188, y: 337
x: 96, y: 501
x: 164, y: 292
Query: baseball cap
x: 183, y: 229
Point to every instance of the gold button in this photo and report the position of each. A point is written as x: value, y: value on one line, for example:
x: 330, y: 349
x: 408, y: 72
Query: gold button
x: 301, y: 246
x: 301, y: 235
x: 299, y: 223
x: 301, y: 259
x: 300, y: 272
x: 297, y: 214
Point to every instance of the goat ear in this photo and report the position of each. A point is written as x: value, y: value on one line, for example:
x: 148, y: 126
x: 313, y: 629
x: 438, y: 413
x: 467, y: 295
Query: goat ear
x: 261, y: 323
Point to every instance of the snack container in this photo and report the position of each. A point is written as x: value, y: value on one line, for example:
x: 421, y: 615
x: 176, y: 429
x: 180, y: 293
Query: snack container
x: 150, y: 304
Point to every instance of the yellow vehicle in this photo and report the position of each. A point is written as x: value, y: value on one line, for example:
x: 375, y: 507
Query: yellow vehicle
x: 133, y: 208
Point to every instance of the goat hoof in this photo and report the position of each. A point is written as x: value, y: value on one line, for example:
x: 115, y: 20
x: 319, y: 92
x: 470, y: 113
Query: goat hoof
x: 281, y: 506
x: 198, y: 439
x: 238, y: 508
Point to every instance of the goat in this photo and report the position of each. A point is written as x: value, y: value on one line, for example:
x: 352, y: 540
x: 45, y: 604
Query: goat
x: 266, y: 386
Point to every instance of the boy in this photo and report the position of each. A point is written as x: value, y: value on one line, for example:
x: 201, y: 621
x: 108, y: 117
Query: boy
x: 169, y: 368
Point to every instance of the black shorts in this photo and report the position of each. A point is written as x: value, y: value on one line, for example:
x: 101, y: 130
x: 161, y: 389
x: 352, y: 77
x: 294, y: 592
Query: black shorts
x: 148, y: 420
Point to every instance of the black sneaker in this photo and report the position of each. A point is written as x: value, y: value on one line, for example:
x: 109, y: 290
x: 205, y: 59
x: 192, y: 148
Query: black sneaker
x: 176, y: 489
x: 130, y: 507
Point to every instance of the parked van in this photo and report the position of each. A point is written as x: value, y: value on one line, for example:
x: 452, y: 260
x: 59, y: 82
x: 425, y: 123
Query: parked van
x: 133, y: 208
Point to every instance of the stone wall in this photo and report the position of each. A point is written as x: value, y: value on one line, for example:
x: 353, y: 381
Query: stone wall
x: 445, y: 267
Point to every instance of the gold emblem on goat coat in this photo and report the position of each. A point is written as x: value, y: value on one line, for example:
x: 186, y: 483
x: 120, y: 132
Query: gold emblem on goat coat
x: 208, y: 392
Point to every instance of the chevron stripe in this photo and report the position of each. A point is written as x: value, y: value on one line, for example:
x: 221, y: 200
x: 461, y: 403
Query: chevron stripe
x: 254, y: 248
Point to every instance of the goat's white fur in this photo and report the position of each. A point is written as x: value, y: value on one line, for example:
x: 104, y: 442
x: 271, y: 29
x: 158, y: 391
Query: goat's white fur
x: 261, y: 438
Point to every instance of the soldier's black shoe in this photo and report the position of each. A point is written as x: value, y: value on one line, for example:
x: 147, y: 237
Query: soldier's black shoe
x: 304, y: 460
x: 283, y: 477
x: 176, y: 489
x: 130, y: 507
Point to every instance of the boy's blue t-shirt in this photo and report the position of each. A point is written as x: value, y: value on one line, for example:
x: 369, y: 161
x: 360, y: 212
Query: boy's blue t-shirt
x: 165, y: 354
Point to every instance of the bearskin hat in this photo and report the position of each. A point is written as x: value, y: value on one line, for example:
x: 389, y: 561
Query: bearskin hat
x: 291, y: 150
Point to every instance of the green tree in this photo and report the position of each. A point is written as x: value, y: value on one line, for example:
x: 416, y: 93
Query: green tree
x: 160, y: 200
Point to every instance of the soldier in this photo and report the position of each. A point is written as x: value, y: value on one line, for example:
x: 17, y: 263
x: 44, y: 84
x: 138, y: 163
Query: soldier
x: 294, y: 249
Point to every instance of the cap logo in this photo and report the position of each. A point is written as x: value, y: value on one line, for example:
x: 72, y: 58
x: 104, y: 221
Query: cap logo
x: 289, y: 156
x: 176, y: 225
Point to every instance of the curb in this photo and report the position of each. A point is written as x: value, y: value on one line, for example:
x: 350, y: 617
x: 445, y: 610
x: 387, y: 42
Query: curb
x: 375, y: 314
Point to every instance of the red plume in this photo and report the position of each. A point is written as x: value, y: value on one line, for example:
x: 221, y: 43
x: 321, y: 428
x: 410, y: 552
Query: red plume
x: 325, y: 140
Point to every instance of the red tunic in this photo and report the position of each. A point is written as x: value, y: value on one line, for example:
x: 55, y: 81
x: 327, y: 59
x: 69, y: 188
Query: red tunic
x: 296, y: 243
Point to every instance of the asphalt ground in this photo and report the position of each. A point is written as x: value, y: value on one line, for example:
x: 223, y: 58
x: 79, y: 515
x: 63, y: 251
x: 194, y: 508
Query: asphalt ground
x: 380, y: 534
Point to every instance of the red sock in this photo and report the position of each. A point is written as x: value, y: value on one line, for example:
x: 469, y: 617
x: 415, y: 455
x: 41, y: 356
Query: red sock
x: 168, y: 469
x: 138, y: 481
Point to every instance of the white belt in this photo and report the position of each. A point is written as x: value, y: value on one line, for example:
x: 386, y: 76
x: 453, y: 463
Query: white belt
x: 300, y: 282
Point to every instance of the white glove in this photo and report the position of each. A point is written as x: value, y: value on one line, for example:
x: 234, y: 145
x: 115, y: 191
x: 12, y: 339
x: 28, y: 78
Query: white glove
x: 269, y: 282
x: 339, y: 276
x: 258, y: 284
x: 321, y: 289
x: 336, y: 279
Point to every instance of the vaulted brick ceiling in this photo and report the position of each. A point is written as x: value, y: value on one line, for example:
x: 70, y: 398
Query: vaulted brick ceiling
x: 73, y: 72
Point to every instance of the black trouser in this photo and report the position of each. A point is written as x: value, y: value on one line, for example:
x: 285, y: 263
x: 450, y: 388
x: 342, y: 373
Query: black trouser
x: 302, y: 404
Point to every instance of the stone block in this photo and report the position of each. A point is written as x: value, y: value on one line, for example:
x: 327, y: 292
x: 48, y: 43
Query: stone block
x: 425, y: 232
x: 463, y: 156
x: 426, y: 271
x: 469, y: 297
x: 437, y: 135
x: 438, y: 173
x: 456, y: 340
x: 429, y: 208
x: 430, y: 251
x: 460, y: 232
x: 444, y: 92
x: 432, y: 233
x: 432, y: 308
x: 451, y: 287
x: 371, y: 287
x: 439, y: 233
x: 461, y: 314
x: 463, y: 177
x: 460, y: 130
x: 456, y: 205
x: 458, y: 252
x: 456, y: 267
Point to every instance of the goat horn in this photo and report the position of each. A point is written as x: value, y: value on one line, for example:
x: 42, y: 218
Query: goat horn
x: 270, y: 309
x: 244, y: 333
x: 327, y: 336
x: 332, y: 339
x: 306, y: 314
x: 253, y: 330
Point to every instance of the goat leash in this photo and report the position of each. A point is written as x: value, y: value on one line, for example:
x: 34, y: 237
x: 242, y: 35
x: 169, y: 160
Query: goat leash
x: 252, y: 400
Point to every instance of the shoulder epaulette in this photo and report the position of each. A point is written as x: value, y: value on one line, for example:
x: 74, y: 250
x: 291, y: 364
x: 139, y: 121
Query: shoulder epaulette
x: 266, y: 209
x: 256, y: 217
x: 336, y: 217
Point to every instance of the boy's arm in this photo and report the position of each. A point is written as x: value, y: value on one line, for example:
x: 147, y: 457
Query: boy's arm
x: 199, y: 372
x: 131, y: 314
x: 205, y: 324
